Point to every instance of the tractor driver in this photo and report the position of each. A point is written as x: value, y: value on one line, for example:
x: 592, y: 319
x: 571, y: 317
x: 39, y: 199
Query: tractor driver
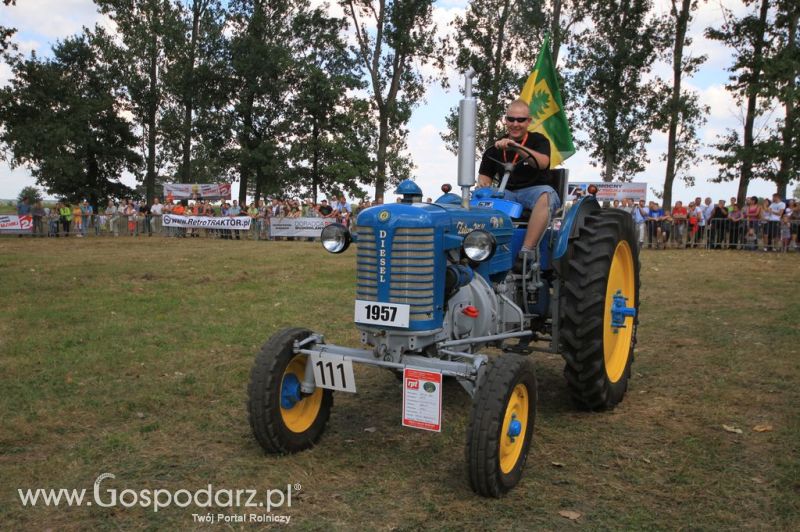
x: 528, y: 182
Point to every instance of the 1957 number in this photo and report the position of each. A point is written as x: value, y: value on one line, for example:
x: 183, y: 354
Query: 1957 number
x: 379, y: 312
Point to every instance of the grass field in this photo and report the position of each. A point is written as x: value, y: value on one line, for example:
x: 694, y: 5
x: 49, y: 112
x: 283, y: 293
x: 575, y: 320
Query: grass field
x: 131, y: 356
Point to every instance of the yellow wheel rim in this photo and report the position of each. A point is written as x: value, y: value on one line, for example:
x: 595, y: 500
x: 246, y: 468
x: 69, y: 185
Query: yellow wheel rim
x: 617, y: 341
x: 516, y: 412
x: 302, y: 415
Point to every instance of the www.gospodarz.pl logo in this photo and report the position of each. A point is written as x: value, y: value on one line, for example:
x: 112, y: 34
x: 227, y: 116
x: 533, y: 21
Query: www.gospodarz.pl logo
x: 160, y: 498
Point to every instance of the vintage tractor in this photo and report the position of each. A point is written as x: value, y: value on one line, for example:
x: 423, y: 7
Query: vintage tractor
x: 437, y: 284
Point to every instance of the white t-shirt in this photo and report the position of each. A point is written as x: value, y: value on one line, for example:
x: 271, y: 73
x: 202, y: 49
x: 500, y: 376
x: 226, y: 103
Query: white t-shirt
x: 157, y: 209
x: 776, y: 210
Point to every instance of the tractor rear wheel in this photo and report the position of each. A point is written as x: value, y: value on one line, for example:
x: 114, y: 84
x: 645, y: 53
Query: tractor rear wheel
x: 599, y: 309
x: 501, y: 425
x: 283, y: 419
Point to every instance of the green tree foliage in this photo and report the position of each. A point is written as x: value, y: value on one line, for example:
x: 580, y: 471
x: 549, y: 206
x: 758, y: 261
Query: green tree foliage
x: 782, y: 84
x: 738, y: 156
x: 331, y: 126
x: 393, y: 39
x: 6, y: 33
x: 489, y: 39
x: 32, y: 194
x: 150, y: 31
x: 62, y: 120
x: 683, y: 113
x: 261, y: 51
x: 617, y: 103
x: 195, y: 121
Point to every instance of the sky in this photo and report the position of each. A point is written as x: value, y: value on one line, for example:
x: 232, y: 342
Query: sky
x: 41, y: 23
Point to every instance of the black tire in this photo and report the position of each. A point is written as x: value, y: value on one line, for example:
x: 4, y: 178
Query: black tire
x: 276, y: 429
x: 494, y: 459
x: 598, y: 360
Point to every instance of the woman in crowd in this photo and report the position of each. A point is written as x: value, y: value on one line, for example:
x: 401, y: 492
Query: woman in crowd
x: 752, y: 215
x: 77, y: 220
x: 735, y: 230
x: 130, y: 215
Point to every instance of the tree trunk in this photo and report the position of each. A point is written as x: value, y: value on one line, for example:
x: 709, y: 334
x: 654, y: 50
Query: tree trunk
x: 245, y: 142
x: 383, y: 145
x: 752, y: 86
x: 315, y: 177
x: 152, y: 112
x: 682, y: 20
x: 789, y: 132
x: 555, y: 30
x: 188, y: 99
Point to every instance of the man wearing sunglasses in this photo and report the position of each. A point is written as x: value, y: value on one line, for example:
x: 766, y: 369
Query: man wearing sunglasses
x: 528, y: 183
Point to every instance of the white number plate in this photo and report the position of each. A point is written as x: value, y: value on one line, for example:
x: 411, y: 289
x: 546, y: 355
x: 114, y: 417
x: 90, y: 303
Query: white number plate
x: 333, y: 372
x: 389, y: 314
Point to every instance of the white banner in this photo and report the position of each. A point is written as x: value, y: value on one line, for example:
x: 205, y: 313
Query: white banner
x: 610, y: 191
x: 304, y: 227
x: 180, y: 191
x: 12, y: 223
x: 207, y: 222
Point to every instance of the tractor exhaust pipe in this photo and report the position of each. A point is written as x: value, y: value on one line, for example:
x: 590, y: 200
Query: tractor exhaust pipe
x: 467, y: 112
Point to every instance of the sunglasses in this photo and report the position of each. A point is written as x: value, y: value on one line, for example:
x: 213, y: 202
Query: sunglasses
x: 518, y: 119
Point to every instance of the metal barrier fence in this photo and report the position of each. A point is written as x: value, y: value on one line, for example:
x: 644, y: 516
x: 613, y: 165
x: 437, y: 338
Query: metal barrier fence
x: 721, y: 234
x: 118, y: 225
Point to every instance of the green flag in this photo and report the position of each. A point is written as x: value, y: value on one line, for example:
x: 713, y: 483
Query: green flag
x: 547, y: 110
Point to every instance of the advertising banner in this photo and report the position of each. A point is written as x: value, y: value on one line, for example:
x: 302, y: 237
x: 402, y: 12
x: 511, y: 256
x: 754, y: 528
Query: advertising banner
x: 239, y: 223
x: 303, y: 227
x: 12, y: 223
x: 179, y: 191
x: 610, y: 191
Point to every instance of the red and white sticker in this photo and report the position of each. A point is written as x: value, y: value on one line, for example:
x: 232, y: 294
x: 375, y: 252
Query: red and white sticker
x: 422, y: 399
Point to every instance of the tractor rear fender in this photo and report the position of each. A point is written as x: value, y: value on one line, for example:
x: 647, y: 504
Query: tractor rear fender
x: 570, y: 225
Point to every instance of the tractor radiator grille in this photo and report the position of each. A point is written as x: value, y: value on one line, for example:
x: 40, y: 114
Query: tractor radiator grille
x: 410, y: 269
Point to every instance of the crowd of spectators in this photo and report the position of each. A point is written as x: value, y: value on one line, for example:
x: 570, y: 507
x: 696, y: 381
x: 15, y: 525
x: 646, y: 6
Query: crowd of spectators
x: 769, y: 225
x: 133, y: 218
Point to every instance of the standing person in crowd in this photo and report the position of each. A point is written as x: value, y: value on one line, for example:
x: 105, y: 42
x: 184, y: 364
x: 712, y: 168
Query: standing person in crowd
x: 325, y: 210
x: 776, y: 211
x: 752, y: 215
x: 275, y: 212
x: 252, y: 212
x: 707, y: 209
x: 38, y: 214
x: 653, y: 221
x: 144, y: 216
x: 640, y: 215
x: 695, y: 215
x: 343, y: 211
x: 786, y: 233
x: 794, y: 219
x: 156, y: 212
x: 52, y: 220
x: 627, y: 206
x: 130, y: 216
x: 77, y: 220
x: 735, y: 230
x: 233, y: 212
x: 179, y: 209
x: 112, y: 215
x: 764, y: 224
x: 87, y: 213
x: 717, y: 225
x: 680, y: 218
x: 23, y: 209
x: 65, y: 217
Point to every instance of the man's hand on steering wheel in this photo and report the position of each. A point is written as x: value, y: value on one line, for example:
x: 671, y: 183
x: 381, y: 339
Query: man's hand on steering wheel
x: 511, y: 144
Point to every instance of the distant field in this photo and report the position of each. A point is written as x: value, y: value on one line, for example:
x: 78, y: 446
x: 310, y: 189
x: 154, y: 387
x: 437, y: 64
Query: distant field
x: 131, y: 356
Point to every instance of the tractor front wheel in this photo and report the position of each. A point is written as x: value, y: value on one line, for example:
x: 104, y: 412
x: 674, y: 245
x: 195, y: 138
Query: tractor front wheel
x: 501, y: 425
x: 283, y: 419
x: 599, y: 309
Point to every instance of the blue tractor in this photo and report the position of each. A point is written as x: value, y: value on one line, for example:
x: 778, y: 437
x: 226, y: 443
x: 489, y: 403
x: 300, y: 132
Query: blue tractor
x: 437, y: 285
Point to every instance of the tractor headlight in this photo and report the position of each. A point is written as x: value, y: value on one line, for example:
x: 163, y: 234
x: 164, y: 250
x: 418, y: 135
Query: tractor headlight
x: 479, y: 245
x: 335, y: 238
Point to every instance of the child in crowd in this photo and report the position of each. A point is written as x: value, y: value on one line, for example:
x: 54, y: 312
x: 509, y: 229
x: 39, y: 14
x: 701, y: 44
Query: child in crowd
x: 751, y: 240
x: 786, y: 233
